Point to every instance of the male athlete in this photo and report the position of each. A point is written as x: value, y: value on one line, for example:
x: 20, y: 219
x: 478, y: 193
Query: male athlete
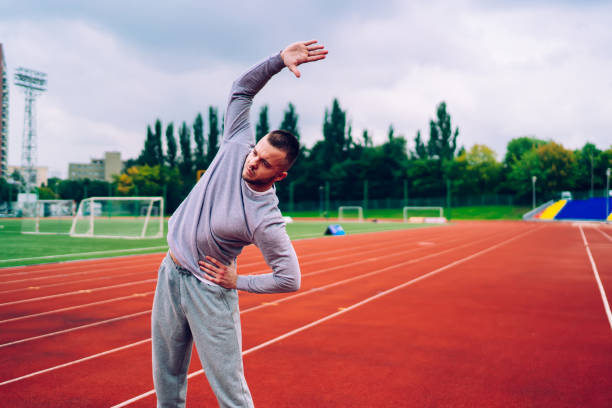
x: 233, y: 205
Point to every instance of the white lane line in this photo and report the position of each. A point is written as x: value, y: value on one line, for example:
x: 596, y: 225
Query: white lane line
x: 114, y: 251
x: 604, y: 234
x: 599, y: 285
x: 71, y: 282
x: 140, y: 263
x: 263, y: 305
x: 77, y: 292
x: 343, y: 311
x: 124, y: 347
x: 394, y: 248
x: 65, y: 267
x: 317, y: 254
x: 82, y: 272
x: 64, y: 309
x: 46, y: 370
x: 312, y: 290
x: 156, y: 248
x: 85, y: 326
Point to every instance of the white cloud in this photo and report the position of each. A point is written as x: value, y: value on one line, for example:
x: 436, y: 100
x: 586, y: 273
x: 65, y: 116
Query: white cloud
x: 505, y: 71
x: 101, y: 93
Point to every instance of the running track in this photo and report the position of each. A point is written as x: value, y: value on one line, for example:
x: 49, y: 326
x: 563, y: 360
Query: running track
x: 475, y: 314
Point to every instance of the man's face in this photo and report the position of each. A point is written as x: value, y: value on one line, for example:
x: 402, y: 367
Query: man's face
x: 264, y: 165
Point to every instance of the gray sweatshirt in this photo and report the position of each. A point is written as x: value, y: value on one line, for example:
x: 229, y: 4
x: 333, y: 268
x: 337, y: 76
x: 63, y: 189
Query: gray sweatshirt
x: 222, y: 214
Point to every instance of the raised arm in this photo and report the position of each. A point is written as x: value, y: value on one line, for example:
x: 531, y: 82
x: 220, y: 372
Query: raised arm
x: 244, y: 89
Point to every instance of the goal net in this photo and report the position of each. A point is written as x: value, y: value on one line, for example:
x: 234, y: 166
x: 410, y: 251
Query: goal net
x: 428, y: 215
x: 119, y: 217
x: 350, y: 212
x: 49, y: 217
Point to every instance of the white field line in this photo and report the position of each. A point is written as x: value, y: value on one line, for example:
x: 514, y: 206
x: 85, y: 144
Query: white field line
x: 604, y: 234
x: 77, y: 292
x: 64, y: 309
x: 308, y: 292
x: 276, y: 339
x: 343, y: 311
x: 300, y: 237
x: 317, y: 255
x: 85, y: 326
x: 263, y: 271
x: 140, y: 262
x: 113, y: 251
x: 599, y: 285
x: 114, y: 267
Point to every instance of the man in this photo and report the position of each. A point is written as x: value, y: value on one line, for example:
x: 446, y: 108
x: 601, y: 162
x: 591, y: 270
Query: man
x: 233, y: 205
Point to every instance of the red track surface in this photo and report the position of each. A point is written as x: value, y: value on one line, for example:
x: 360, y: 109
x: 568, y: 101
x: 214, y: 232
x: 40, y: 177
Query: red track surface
x: 486, y: 314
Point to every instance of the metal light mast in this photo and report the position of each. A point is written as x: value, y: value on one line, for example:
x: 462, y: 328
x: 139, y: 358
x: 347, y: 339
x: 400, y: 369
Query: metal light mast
x: 33, y: 84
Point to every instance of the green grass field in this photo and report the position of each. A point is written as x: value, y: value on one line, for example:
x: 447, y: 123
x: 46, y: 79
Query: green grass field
x: 489, y: 212
x: 25, y: 249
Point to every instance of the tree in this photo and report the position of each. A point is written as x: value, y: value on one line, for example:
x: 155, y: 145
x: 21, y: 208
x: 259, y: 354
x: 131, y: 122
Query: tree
x: 147, y: 155
x: 517, y: 147
x: 420, y: 151
x: 477, y: 170
x: 146, y: 180
x: 367, y: 139
x: 263, y: 127
x: 334, y: 133
x: 186, y: 164
x: 558, y: 167
x: 152, y: 153
x: 586, y: 167
x: 213, y: 134
x: 8, y: 190
x: 171, y: 145
x: 442, y: 140
x: 158, y: 153
x: 552, y: 164
x: 290, y: 121
x: 198, y: 137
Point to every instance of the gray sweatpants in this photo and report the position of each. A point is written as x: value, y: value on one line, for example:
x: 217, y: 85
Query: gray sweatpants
x: 186, y: 309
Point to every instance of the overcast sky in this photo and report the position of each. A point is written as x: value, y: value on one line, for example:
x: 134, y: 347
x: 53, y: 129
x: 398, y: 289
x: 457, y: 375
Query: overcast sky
x: 505, y: 68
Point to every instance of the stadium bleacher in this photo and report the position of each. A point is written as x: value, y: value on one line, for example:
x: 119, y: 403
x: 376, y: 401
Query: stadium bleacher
x: 591, y: 209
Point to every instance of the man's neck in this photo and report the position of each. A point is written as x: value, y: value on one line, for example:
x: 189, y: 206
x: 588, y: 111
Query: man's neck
x: 259, y: 188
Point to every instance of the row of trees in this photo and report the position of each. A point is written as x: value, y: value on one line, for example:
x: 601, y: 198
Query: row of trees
x: 353, y: 166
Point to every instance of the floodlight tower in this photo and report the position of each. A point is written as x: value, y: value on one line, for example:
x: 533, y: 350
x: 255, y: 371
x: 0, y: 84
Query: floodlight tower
x: 33, y: 84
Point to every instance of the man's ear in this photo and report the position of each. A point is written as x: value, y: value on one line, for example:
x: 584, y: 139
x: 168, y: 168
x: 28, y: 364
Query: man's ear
x: 280, y: 176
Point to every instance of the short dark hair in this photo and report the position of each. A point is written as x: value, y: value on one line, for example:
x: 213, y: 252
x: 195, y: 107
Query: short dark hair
x: 287, y: 142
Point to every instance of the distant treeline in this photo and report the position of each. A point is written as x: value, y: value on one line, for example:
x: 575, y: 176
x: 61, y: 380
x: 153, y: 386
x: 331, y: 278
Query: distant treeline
x: 348, y: 167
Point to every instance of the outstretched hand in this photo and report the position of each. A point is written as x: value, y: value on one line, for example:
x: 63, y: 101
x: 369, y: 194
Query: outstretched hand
x: 302, y: 52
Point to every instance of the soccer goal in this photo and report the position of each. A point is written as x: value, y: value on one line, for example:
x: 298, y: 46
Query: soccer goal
x: 353, y: 212
x: 53, y: 217
x: 428, y: 215
x: 119, y: 217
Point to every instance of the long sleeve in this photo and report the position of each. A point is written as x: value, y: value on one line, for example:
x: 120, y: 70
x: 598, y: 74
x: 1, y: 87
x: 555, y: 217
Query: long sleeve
x: 276, y: 247
x: 237, y: 126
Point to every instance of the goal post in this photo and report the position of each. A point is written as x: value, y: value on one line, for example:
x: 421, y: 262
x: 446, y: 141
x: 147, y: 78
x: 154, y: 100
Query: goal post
x: 350, y: 209
x: 49, y: 217
x: 119, y: 217
x: 432, y: 215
